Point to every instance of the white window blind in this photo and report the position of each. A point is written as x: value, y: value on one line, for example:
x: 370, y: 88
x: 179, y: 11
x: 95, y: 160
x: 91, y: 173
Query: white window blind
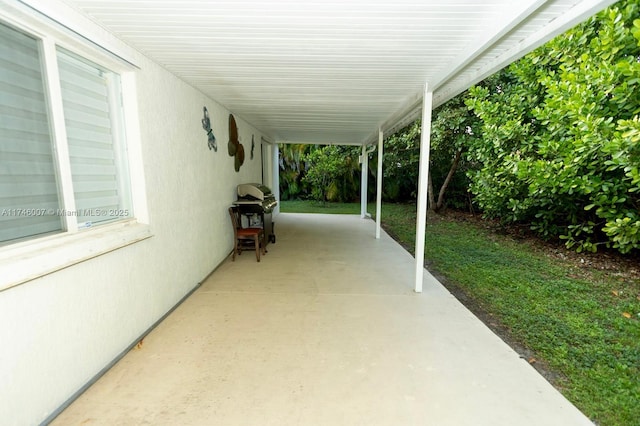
x: 91, y: 104
x: 29, y: 198
x: 84, y: 166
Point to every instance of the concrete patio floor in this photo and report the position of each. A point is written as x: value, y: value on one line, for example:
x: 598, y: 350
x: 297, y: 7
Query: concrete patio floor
x: 325, y: 330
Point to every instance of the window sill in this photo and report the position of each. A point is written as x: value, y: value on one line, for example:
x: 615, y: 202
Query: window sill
x: 22, y: 262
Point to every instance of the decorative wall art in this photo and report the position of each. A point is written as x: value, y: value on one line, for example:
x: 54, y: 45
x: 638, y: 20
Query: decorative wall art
x: 234, y: 146
x: 206, y: 125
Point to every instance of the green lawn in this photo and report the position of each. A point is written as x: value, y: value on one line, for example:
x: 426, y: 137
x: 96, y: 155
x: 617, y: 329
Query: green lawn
x: 318, y: 207
x: 583, y: 323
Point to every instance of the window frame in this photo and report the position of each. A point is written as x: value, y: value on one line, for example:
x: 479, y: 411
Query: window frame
x: 32, y: 257
x: 118, y: 135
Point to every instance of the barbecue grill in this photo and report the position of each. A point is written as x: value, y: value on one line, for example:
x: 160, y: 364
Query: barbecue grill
x: 257, y: 201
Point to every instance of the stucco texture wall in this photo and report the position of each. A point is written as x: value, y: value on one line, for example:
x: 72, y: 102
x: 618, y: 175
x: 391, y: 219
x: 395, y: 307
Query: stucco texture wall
x: 60, y: 330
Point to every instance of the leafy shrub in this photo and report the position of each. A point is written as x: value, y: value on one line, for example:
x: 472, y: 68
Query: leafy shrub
x: 561, y: 137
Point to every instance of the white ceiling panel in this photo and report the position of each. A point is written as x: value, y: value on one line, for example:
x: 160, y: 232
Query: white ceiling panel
x: 318, y: 71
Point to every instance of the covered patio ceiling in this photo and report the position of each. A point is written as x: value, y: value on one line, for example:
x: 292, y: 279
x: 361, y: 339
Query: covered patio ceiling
x: 329, y: 71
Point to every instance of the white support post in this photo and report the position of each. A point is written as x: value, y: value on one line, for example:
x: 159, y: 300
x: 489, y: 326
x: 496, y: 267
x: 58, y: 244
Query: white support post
x: 364, y: 183
x: 423, y: 180
x: 275, y: 185
x: 379, y: 185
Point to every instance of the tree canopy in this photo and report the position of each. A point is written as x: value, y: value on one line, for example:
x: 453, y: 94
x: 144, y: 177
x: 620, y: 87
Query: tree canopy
x: 552, y: 142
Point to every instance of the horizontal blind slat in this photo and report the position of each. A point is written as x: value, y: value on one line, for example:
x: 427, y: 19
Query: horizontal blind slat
x: 29, y: 226
x: 85, y: 95
x: 28, y: 186
x: 92, y: 150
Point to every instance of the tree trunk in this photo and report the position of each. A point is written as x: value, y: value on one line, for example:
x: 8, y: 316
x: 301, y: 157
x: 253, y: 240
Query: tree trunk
x: 443, y: 189
x: 431, y: 200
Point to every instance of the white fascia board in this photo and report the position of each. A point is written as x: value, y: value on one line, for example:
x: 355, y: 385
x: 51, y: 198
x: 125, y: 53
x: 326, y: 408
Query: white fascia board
x: 303, y: 142
x: 511, y: 21
x: 406, y: 113
x: 559, y: 25
x: 412, y: 107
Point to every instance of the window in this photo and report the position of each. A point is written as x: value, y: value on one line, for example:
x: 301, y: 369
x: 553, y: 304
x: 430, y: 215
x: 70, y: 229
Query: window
x: 71, y: 177
x: 58, y: 174
x: 28, y: 184
x: 92, y: 112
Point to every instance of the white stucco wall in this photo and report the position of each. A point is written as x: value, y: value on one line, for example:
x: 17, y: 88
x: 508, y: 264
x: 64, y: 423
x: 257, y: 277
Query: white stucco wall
x: 58, y: 331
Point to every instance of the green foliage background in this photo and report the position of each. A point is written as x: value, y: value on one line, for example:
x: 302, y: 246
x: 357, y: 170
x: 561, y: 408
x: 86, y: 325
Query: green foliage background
x: 321, y: 173
x: 551, y: 142
x: 560, y: 145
